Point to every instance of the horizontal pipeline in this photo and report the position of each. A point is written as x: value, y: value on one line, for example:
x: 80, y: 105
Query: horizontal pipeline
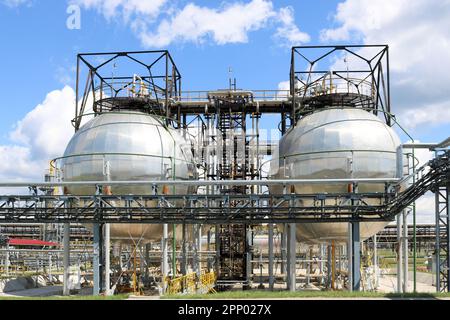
x: 199, y: 182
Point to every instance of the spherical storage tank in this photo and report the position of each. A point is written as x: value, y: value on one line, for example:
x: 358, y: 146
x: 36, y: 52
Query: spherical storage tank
x: 337, y: 143
x: 136, y: 146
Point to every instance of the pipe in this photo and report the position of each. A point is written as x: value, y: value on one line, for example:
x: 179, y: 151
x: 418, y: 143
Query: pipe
x: 278, y: 182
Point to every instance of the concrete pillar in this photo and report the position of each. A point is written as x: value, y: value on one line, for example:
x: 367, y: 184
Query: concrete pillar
x: 399, y: 254
x: 196, y: 230
x: 309, y: 267
x: 350, y: 257
x: 183, y: 250
x: 107, y: 257
x: 271, y: 276
x: 329, y: 263
x: 66, y: 259
x: 320, y: 259
x: 292, y: 257
x: 147, y: 260
x: 375, y: 262
x: 199, y: 249
x: 356, y: 257
x: 50, y: 268
x: 7, y: 260
x: 333, y: 265
x: 208, y: 248
x: 284, y: 245
x: 96, y: 257
x: 165, y: 256
x: 217, y: 242
x: 405, y: 251
x: 248, y: 254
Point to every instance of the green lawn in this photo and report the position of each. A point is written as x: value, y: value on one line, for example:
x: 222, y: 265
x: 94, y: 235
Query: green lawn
x: 302, y: 294
x: 115, y: 297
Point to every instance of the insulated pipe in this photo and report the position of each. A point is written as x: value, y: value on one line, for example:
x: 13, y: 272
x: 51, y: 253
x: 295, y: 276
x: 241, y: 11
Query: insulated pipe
x: 278, y: 182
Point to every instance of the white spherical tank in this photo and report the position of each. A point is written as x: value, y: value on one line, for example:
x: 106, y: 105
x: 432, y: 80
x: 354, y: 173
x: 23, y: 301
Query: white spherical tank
x: 138, y: 147
x: 337, y: 144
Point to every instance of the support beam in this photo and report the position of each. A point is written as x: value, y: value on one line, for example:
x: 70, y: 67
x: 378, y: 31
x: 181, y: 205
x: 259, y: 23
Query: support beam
x: 66, y: 259
x: 271, y: 276
x: 356, y: 256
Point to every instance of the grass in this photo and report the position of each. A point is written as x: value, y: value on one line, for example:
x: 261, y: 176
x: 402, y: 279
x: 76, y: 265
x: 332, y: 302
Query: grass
x: 303, y: 294
x: 115, y: 297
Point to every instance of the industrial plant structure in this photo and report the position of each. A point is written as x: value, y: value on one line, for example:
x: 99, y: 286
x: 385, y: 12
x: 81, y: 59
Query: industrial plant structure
x: 194, y: 197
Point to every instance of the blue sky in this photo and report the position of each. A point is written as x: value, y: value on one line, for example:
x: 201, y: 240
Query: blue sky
x: 38, y: 55
x: 40, y: 50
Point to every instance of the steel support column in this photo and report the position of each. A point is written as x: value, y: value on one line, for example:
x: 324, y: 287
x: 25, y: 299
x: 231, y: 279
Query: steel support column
x: 356, y: 257
x: 442, y: 209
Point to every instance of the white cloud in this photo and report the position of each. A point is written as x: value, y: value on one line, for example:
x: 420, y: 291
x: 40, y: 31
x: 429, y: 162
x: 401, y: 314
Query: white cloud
x: 160, y: 23
x: 230, y: 24
x: 433, y: 114
x: 284, y: 85
x: 39, y: 137
x: 16, y: 3
x: 126, y: 8
x: 418, y: 35
x: 288, y: 33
